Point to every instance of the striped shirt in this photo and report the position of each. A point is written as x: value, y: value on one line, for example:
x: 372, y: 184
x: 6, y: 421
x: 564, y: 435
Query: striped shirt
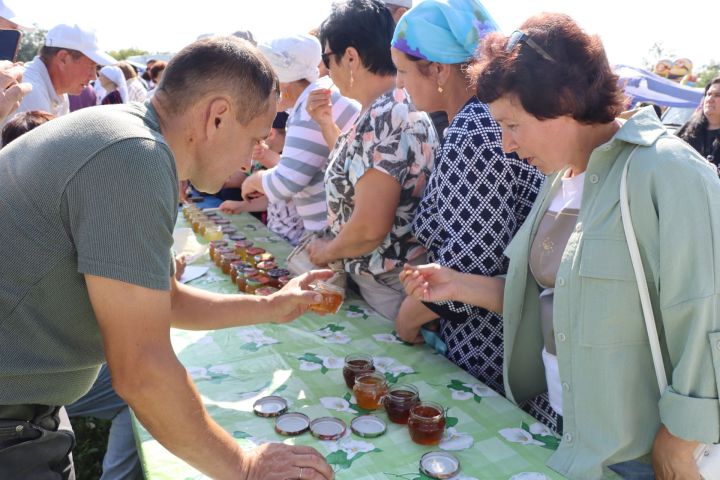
x: 301, y: 171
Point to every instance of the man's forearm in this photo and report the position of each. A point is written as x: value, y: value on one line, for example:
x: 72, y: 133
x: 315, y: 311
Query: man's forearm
x: 196, y: 309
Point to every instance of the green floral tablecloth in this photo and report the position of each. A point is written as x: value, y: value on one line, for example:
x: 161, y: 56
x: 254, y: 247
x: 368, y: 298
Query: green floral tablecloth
x: 302, y: 362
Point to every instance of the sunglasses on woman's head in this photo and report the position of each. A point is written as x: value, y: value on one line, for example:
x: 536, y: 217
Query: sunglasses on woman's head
x: 522, y: 37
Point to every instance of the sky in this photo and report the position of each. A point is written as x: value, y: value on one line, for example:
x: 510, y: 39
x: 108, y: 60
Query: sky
x: 628, y: 28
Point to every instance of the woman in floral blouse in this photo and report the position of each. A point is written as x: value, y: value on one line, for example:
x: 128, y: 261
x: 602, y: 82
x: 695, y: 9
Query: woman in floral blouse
x: 377, y: 170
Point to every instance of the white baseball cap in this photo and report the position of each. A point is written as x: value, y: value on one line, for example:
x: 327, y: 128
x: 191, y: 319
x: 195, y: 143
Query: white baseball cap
x: 80, y: 39
x: 294, y: 58
x: 7, y: 13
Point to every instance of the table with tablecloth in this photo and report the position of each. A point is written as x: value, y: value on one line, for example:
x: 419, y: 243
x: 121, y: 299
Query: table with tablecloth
x: 302, y: 362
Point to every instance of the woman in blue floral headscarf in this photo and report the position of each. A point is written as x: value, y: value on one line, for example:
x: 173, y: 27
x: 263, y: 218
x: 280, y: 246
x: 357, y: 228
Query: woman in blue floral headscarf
x: 477, y: 197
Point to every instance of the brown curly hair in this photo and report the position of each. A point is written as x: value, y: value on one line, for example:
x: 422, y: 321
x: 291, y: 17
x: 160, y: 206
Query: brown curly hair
x: 579, y: 83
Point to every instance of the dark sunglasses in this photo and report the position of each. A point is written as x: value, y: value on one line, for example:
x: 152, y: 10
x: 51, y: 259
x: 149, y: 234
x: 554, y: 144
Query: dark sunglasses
x: 521, y: 37
x: 326, y: 59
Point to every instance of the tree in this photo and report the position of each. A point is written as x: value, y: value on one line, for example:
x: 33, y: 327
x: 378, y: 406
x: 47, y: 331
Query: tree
x: 657, y: 52
x: 30, y: 44
x: 708, y: 72
x: 127, y: 52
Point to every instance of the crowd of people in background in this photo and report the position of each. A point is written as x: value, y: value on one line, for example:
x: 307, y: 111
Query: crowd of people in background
x: 466, y: 184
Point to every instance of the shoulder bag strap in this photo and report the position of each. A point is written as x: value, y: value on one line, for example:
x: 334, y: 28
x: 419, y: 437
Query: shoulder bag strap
x: 641, y: 280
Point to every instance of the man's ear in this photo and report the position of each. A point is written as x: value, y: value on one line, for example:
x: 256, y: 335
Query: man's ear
x: 62, y: 57
x: 219, y: 115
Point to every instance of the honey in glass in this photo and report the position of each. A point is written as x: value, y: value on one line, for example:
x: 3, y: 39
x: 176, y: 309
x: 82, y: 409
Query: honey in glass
x: 241, y: 247
x: 251, y: 253
x: 226, y: 260
x: 332, y: 297
x: 242, y: 275
x: 426, y: 423
x: 275, y: 275
x: 399, y: 400
x: 369, y: 390
x: 265, y: 291
x: 215, y: 244
x: 219, y: 252
x: 253, y: 283
x: 266, y: 266
x: 356, y: 364
x: 235, y: 267
x: 213, y: 233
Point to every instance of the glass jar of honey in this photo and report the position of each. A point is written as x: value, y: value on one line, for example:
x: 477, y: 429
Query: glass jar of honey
x: 236, y: 266
x: 265, y: 291
x: 266, y: 266
x: 369, y: 390
x: 426, y: 423
x: 241, y: 247
x: 264, y: 257
x: 356, y: 364
x: 213, y: 232
x: 195, y: 220
x: 219, y: 252
x: 253, y: 283
x: 332, y: 297
x: 251, y: 253
x: 216, y: 244
x: 276, y: 274
x: 242, y: 275
x: 399, y: 400
x: 225, y: 261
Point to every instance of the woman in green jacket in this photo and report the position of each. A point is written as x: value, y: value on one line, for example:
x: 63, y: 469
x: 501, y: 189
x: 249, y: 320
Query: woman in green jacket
x: 572, y: 316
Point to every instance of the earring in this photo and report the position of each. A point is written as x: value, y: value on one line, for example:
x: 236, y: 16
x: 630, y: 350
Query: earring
x: 351, y: 79
x: 440, y: 89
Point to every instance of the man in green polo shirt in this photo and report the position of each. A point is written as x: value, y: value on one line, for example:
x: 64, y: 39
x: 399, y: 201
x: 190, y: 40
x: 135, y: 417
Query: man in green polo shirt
x: 88, y: 203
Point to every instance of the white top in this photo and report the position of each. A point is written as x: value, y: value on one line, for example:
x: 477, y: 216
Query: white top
x: 136, y: 90
x: 300, y: 174
x: 43, y: 96
x: 568, y: 196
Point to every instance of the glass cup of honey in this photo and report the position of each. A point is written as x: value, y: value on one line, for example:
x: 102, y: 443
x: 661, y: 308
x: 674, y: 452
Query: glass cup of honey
x: 332, y: 297
x: 426, y: 423
x: 370, y: 389
x: 399, y: 400
x: 356, y: 364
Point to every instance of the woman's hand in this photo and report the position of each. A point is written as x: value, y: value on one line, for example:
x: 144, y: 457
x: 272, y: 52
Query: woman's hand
x: 319, y: 106
x: 233, y: 207
x: 317, y: 250
x: 12, y: 90
x: 430, y: 283
x: 252, y: 186
x: 296, y: 297
x: 673, y: 458
x: 410, y: 319
x: 264, y: 156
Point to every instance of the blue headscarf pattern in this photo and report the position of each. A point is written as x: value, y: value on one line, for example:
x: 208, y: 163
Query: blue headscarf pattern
x: 443, y: 31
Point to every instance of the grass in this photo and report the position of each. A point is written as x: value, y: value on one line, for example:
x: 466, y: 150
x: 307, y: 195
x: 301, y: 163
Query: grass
x: 91, y: 435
